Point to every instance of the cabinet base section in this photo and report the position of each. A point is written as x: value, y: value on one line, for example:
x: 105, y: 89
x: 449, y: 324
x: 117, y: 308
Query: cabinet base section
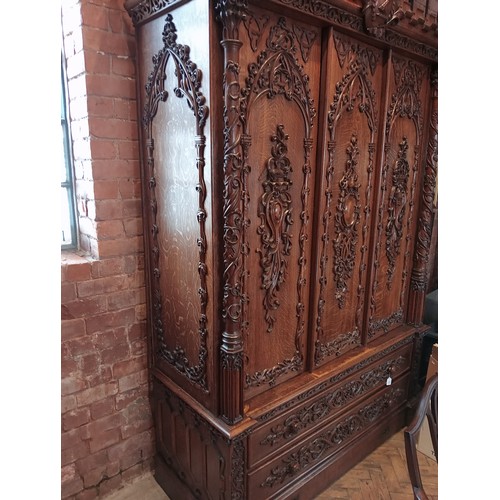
x: 171, y: 484
x: 196, y: 461
x: 334, y: 468
x: 175, y: 486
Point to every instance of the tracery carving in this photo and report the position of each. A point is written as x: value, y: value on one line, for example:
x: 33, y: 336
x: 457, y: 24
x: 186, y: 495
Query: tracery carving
x: 346, y: 49
x: 275, y: 212
x: 318, y: 8
x: 296, y: 462
x: 320, y: 409
x: 353, y: 91
x: 325, y: 10
x: 405, y: 104
x: 143, y: 10
x: 278, y: 73
x: 188, y: 87
x: 255, y: 28
x: 403, y: 42
x: 346, y: 223
x: 305, y: 39
x: 396, y: 208
x: 405, y: 101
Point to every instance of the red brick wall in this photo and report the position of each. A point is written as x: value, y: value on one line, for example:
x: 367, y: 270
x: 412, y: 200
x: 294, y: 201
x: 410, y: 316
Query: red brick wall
x: 107, y: 434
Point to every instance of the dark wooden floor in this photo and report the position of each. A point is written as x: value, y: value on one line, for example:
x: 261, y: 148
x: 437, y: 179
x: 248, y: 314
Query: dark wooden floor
x: 381, y: 476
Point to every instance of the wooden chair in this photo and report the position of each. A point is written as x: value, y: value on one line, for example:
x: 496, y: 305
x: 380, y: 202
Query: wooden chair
x: 427, y: 406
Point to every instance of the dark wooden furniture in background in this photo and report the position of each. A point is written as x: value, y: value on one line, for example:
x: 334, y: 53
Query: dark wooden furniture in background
x: 289, y: 162
x: 427, y: 409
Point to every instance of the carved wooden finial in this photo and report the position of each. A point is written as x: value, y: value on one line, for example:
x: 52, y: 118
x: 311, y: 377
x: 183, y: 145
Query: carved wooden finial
x: 379, y: 14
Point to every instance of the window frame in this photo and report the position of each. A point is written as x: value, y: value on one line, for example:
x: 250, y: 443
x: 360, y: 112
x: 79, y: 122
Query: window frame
x: 68, y: 183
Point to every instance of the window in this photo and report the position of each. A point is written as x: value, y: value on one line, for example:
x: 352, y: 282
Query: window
x: 68, y: 218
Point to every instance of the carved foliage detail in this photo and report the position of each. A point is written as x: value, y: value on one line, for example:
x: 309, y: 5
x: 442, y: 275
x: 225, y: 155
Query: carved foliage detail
x: 385, y: 323
x: 231, y: 13
x: 396, y: 209
x: 353, y: 92
x: 278, y: 73
x: 269, y: 376
x: 399, y: 198
x: 238, y: 471
x: 334, y: 380
x: 296, y: 462
x: 423, y: 243
x: 275, y: 212
x: 234, y: 300
x: 336, y: 399
x: 188, y: 87
x: 337, y: 346
x: 188, y: 77
x: 346, y: 223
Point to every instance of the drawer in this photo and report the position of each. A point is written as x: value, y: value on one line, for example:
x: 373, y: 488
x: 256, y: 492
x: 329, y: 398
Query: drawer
x: 286, y: 428
x: 298, y: 460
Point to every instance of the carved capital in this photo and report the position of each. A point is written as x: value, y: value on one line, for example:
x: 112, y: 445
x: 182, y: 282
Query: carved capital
x: 231, y: 13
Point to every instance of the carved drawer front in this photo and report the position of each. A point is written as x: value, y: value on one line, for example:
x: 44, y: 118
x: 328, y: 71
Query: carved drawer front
x: 290, y: 465
x: 290, y: 426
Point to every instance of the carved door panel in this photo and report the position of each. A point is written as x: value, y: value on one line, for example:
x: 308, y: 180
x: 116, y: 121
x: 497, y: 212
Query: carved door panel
x: 350, y: 126
x: 398, y: 194
x: 176, y: 132
x: 280, y: 77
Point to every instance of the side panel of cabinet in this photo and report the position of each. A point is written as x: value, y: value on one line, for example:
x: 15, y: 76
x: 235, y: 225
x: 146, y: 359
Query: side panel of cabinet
x: 350, y: 127
x: 398, y: 197
x: 174, y: 88
x: 280, y: 80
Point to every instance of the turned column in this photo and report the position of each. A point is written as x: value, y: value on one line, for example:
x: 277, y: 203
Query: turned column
x: 231, y: 13
x: 419, y: 275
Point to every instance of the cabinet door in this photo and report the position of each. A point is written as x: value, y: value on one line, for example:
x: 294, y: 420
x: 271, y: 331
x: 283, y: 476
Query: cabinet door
x: 280, y: 75
x: 350, y: 127
x: 399, y: 178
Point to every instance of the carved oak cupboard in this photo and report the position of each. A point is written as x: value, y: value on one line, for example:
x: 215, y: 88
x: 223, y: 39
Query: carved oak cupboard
x: 289, y: 163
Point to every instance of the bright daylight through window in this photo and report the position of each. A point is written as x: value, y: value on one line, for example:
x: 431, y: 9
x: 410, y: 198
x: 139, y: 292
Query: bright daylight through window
x: 68, y: 220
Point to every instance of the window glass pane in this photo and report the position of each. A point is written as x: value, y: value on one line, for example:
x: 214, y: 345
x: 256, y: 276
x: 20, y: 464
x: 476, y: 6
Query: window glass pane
x: 62, y: 156
x: 65, y: 218
x: 68, y: 216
